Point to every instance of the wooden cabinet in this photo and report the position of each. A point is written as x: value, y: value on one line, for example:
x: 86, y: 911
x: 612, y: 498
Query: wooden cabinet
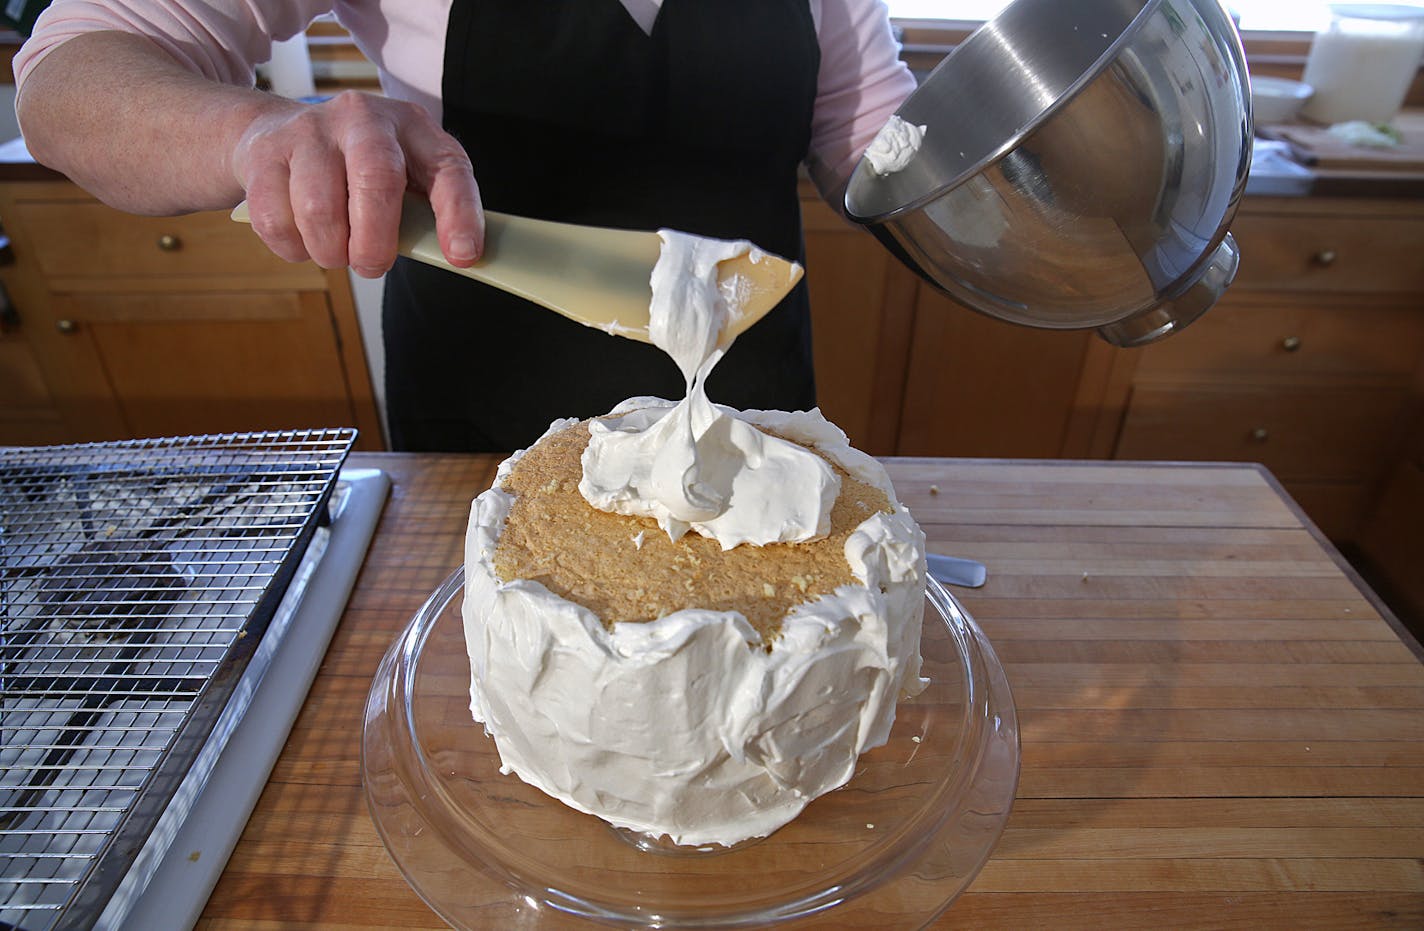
x: 1312, y: 364
x: 1340, y: 246
x: 1390, y: 543
x: 977, y: 386
x: 862, y: 305
x: 128, y: 326
x: 905, y: 370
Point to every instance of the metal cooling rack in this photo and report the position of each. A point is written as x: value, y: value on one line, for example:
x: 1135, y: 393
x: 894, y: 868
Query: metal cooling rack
x: 136, y: 579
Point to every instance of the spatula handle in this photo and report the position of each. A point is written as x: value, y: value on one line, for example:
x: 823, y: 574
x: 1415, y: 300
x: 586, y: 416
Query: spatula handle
x: 594, y: 275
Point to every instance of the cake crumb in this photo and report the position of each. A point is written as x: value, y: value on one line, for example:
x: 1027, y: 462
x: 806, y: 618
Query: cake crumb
x: 934, y: 489
x: 916, y: 738
x: 869, y: 826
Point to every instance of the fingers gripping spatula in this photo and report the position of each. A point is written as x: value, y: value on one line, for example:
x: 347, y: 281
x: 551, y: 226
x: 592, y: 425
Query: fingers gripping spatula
x: 594, y: 275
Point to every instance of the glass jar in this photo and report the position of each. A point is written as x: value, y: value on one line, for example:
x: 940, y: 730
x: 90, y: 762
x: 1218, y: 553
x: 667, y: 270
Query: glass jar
x: 1362, y: 63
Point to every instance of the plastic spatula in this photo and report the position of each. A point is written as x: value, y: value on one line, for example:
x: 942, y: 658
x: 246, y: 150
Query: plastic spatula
x: 596, y: 276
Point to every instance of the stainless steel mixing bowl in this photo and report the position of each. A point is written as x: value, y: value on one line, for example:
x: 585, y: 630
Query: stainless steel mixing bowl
x: 1081, y: 163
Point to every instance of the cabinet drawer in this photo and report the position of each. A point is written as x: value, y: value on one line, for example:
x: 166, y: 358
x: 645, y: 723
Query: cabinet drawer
x: 1300, y: 434
x: 209, y: 363
x: 77, y: 240
x: 1329, y: 253
x: 1254, y: 337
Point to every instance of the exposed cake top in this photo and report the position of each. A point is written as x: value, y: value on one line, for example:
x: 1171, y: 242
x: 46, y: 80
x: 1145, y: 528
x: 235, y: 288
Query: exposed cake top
x: 624, y: 568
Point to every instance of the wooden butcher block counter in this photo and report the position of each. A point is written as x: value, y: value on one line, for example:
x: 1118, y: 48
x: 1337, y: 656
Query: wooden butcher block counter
x: 1221, y: 726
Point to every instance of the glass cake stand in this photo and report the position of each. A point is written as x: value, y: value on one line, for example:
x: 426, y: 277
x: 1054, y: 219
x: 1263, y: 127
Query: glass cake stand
x: 892, y: 848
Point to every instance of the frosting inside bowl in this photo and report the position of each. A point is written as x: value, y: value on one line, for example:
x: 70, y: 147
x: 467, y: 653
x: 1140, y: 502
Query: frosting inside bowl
x: 894, y: 146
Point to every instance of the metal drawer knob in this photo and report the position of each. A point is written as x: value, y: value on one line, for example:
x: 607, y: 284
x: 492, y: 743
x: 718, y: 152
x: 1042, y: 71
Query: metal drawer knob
x: 1291, y: 343
x: 1260, y: 434
x: 67, y: 326
x: 169, y: 243
x: 1324, y: 258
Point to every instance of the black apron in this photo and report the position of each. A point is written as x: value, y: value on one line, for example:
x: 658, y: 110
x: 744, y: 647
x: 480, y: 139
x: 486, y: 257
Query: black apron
x: 571, y: 112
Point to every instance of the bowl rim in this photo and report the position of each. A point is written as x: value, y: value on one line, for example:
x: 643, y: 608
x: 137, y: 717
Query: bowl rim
x: 987, y: 36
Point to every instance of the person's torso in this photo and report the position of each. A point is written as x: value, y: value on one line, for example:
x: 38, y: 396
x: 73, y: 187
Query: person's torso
x: 571, y: 112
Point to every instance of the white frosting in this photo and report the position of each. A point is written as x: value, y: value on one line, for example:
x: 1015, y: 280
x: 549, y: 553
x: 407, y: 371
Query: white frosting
x: 894, y: 146
x: 689, y: 725
x: 697, y: 466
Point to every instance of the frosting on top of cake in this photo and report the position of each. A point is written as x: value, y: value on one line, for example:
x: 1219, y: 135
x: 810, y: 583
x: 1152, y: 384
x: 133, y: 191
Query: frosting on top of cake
x: 624, y: 581
x: 696, y: 465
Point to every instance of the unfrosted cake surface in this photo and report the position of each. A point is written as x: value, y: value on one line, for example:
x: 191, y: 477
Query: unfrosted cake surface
x: 625, y: 569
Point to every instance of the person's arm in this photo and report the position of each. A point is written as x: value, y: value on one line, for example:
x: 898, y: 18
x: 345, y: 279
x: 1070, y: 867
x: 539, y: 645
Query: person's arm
x: 134, y: 128
x: 129, y: 123
x: 861, y: 83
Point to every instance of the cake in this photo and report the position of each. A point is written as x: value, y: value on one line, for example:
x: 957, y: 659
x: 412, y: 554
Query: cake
x: 688, y: 620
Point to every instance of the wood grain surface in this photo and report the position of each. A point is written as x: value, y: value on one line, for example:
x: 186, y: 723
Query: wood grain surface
x: 1221, y: 726
x: 1315, y: 145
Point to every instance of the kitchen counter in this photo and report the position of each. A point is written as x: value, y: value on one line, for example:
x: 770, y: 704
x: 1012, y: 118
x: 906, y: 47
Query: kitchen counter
x: 1221, y: 724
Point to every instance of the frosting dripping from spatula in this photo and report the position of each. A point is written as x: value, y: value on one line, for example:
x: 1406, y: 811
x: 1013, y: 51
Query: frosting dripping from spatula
x: 697, y: 466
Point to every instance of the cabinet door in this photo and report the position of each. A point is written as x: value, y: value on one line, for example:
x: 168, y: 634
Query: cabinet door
x: 977, y: 386
x: 27, y: 411
x: 862, y: 301
x: 187, y: 363
x: 1391, y: 542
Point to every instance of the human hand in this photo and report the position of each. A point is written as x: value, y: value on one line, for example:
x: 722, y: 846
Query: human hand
x: 325, y: 181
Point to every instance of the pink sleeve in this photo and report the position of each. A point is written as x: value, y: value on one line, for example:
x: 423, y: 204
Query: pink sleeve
x: 861, y: 83
x: 220, y: 40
